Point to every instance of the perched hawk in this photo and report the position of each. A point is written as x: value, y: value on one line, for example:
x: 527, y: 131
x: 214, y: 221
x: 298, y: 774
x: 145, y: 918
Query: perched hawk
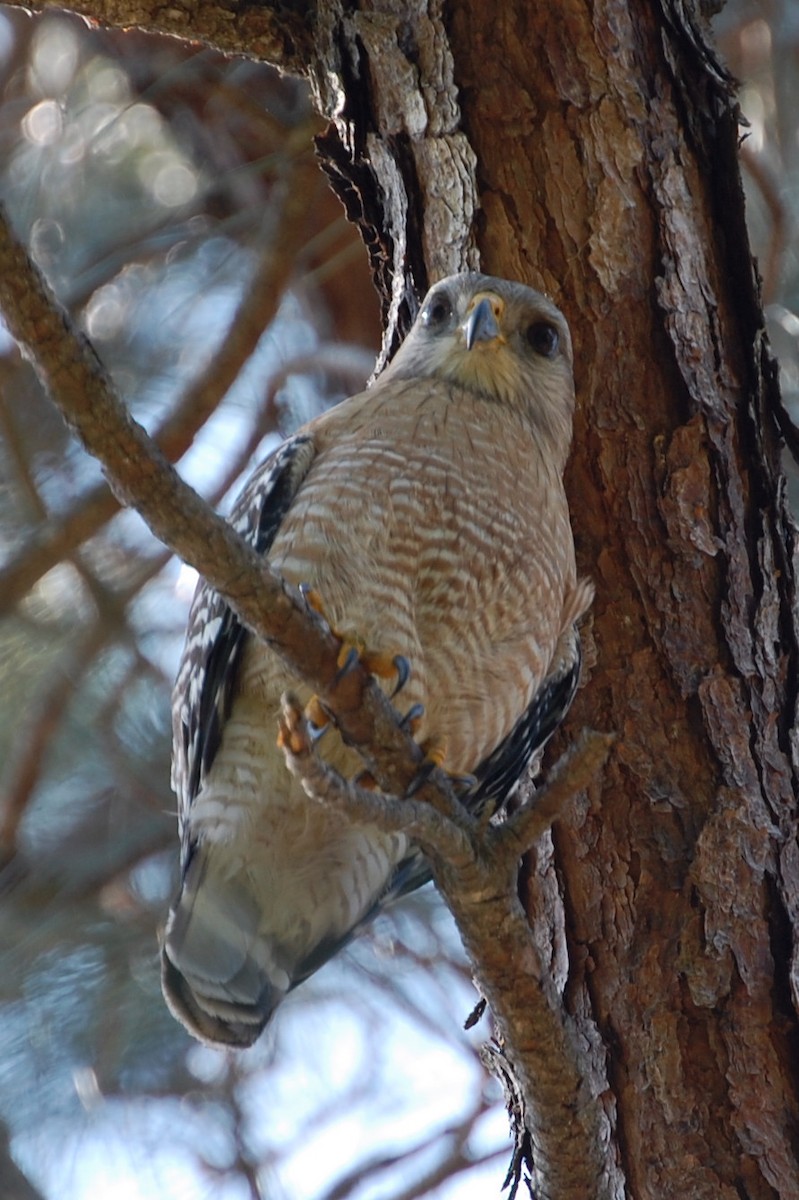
x: 428, y: 513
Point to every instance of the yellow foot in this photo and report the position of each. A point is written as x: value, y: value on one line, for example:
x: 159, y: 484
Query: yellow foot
x: 353, y: 649
x: 412, y: 721
x: 377, y: 662
x: 313, y: 600
x: 435, y: 751
x: 317, y: 716
x: 292, y: 733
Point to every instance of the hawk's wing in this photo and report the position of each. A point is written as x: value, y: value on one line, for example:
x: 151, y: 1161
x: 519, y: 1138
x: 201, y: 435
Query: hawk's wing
x: 498, y: 774
x: 505, y: 767
x: 215, y: 637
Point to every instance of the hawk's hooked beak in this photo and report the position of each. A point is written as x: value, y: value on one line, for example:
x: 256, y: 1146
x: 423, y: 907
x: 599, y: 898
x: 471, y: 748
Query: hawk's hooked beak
x: 482, y: 324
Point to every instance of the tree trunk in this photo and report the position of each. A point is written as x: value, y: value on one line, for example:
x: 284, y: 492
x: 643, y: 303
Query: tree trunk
x: 602, y: 140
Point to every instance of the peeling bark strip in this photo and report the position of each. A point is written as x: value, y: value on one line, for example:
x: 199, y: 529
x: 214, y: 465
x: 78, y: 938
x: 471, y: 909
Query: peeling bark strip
x: 395, y: 152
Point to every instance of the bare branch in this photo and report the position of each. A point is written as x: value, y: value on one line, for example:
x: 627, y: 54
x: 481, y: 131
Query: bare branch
x: 579, y: 767
x: 456, y: 1158
x: 276, y: 36
x: 142, y: 477
x: 25, y: 767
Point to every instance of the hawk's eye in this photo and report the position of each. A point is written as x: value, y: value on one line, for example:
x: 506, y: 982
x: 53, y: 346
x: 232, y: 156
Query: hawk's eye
x: 544, y: 338
x: 437, y: 312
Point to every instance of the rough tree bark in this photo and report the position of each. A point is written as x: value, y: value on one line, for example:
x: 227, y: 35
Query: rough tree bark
x: 590, y: 149
x: 605, y: 137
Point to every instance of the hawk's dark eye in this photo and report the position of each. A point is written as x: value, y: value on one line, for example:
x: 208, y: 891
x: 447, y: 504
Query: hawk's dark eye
x: 543, y: 338
x: 437, y: 312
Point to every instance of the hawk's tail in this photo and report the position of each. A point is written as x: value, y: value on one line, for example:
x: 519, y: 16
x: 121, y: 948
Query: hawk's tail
x: 211, y: 973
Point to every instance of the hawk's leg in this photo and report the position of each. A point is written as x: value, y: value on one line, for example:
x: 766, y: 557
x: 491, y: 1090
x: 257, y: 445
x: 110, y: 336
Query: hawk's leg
x: 379, y: 663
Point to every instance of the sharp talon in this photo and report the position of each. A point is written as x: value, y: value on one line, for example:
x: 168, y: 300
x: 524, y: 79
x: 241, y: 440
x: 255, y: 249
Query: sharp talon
x: 347, y: 659
x: 412, y: 718
x: 312, y: 599
x: 403, y: 669
x: 425, y: 771
x: 461, y: 783
x: 317, y: 719
x: 353, y: 649
x: 378, y: 663
x: 435, y: 753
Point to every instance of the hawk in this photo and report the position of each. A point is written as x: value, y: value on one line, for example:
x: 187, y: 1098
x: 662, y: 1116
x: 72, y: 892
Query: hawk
x: 428, y: 513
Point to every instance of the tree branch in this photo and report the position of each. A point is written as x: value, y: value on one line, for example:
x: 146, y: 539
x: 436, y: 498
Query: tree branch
x: 142, y: 477
x: 275, y: 35
x: 573, y: 773
x: 563, y: 1083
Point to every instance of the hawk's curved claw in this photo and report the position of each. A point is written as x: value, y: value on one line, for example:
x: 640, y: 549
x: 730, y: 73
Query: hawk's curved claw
x: 426, y: 769
x: 403, y: 669
x: 347, y: 659
x: 435, y: 755
x: 317, y: 732
x: 312, y: 600
x: 352, y: 650
x: 412, y: 719
x: 377, y: 662
x: 462, y: 784
x: 317, y: 719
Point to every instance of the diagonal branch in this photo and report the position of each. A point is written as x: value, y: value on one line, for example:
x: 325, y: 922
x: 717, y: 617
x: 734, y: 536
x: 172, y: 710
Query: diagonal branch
x: 561, y: 1073
x: 141, y: 476
x: 571, y: 774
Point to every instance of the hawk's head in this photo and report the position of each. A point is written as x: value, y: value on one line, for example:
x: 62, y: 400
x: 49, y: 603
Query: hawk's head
x: 501, y: 339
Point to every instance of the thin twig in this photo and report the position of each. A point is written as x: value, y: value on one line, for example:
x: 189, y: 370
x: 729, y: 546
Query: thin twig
x: 142, y: 477
x: 571, y: 774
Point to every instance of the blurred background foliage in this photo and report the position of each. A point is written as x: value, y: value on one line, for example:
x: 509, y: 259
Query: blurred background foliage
x: 172, y: 199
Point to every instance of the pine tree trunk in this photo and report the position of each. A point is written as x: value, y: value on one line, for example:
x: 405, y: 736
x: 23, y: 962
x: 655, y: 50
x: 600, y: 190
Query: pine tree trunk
x: 591, y: 150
